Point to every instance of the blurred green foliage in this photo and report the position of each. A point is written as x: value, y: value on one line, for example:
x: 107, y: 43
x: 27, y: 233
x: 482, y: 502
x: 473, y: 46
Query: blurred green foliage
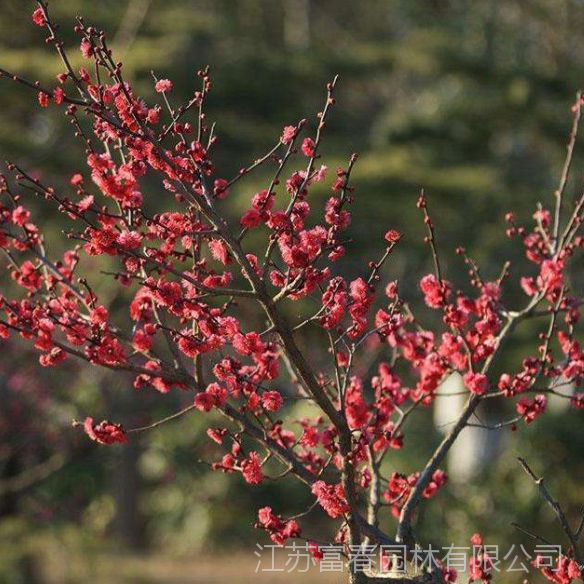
x: 469, y: 100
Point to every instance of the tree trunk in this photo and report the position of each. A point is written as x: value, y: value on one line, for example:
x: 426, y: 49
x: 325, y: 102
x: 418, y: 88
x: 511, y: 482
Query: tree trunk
x: 362, y: 578
x: 129, y: 523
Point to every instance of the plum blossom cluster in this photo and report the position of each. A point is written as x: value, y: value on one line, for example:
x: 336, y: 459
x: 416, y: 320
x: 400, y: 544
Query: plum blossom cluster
x: 191, y: 274
x: 565, y: 570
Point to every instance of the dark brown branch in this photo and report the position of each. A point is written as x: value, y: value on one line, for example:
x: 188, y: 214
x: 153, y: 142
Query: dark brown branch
x: 431, y: 238
x: 567, y: 164
x: 553, y: 503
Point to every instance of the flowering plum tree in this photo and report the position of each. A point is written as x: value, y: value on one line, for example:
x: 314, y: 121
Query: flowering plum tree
x: 194, y: 273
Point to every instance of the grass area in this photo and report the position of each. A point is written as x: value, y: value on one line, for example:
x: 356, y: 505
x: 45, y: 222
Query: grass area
x: 155, y: 569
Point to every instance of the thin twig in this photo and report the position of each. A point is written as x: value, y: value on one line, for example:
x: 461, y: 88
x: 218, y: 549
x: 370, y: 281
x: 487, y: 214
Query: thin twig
x: 543, y: 491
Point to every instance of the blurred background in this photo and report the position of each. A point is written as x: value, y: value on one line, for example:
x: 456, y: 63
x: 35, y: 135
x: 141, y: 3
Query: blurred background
x: 470, y: 100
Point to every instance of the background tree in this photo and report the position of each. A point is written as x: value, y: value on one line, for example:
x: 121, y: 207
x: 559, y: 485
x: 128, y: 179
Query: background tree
x: 359, y: 114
